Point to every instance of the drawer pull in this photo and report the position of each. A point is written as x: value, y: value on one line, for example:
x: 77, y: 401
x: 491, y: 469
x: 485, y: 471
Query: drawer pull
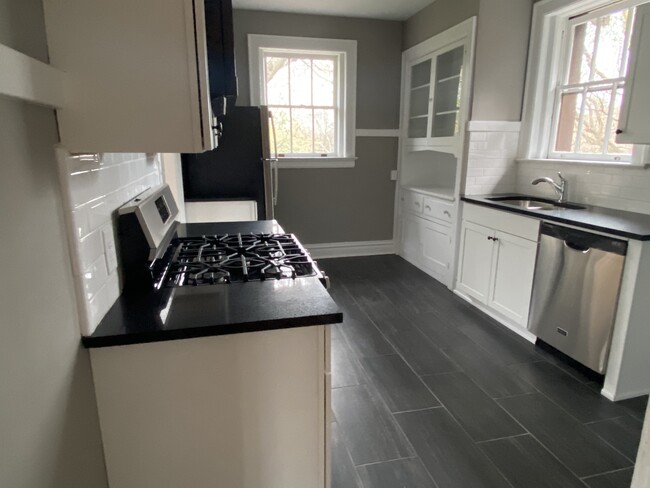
x: 427, y: 207
x: 417, y: 204
x: 447, y: 213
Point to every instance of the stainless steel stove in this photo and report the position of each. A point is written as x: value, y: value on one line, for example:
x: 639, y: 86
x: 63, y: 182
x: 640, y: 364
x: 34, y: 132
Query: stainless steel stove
x: 154, y: 257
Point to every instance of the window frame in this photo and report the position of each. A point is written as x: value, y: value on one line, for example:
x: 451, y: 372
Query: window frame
x: 346, y: 52
x: 546, y: 65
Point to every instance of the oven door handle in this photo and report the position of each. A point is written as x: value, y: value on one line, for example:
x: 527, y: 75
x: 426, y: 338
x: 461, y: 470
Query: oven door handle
x: 274, y: 162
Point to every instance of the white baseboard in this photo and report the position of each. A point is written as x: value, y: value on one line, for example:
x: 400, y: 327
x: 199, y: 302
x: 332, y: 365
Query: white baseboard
x: 525, y: 333
x: 623, y: 396
x: 350, y: 249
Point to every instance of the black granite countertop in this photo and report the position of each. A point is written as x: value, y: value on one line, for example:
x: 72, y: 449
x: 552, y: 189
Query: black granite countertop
x: 616, y: 222
x: 188, y: 312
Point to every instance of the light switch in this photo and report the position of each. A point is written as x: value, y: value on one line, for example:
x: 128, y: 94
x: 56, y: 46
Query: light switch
x: 393, y: 175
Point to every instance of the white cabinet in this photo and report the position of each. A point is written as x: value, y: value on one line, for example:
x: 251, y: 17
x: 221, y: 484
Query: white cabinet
x: 136, y: 75
x: 634, y: 126
x: 426, y: 241
x: 435, y: 96
x: 497, y: 261
x: 237, y: 411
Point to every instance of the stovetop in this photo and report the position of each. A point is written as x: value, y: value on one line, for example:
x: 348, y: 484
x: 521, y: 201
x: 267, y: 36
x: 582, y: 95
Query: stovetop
x: 222, y: 259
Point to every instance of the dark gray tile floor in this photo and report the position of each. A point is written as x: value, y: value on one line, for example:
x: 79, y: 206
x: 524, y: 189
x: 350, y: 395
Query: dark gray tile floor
x: 429, y: 392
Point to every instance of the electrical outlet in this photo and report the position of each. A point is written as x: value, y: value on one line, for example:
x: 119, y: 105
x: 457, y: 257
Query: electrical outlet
x: 393, y: 175
x: 109, y: 249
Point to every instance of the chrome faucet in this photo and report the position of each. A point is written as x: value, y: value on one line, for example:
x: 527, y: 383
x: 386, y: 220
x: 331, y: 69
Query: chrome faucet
x: 560, y: 189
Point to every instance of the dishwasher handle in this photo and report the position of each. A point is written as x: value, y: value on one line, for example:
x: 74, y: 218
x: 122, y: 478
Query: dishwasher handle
x: 582, y: 241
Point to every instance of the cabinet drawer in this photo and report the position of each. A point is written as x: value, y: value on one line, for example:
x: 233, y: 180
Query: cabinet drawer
x: 438, y: 210
x: 413, y: 202
x: 502, y: 220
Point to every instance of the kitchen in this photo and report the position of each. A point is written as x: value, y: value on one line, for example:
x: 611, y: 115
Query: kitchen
x: 49, y: 401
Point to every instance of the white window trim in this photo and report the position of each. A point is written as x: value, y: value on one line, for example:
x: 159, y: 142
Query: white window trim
x: 545, y: 53
x: 348, y: 90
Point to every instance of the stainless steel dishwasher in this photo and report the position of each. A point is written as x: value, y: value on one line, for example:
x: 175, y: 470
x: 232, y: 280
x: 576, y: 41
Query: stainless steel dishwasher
x: 575, y: 292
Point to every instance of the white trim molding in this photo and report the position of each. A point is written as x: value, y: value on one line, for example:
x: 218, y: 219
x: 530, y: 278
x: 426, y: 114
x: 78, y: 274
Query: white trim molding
x: 493, y: 126
x: 351, y: 249
x: 30, y: 80
x: 377, y: 133
x: 316, y: 163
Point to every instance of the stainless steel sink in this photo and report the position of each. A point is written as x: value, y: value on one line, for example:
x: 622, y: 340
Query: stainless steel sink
x: 531, y: 203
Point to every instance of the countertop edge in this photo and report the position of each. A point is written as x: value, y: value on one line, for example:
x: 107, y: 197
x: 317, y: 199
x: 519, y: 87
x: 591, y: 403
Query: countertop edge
x: 90, y: 342
x: 554, y: 218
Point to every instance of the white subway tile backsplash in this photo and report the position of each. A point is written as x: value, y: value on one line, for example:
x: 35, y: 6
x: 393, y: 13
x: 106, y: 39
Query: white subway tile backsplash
x: 94, y: 191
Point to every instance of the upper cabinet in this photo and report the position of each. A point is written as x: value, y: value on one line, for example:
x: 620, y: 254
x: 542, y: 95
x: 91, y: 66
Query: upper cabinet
x: 634, y: 126
x: 435, y: 98
x: 136, y: 75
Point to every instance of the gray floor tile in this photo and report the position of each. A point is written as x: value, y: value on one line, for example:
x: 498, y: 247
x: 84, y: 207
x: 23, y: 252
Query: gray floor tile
x: 346, y: 370
x: 344, y: 475
x: 579, y: 400
x: 576, y: 446
x: 480, y: 415
x: 636, y: 407
x: 496, y: 379
x: 447, y: 452
x: 619, y: 479
x: 363, y: 337
x: 526, y: 464
x: 400, y: 388
x: 403, y: 473
x: 438, y: 329
x: 623, y: 433
x: 418, y: 351
x: 368, y: 428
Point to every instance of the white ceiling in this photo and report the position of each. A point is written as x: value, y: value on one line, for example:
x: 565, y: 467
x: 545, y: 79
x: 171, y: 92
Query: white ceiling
x: 374, y: 9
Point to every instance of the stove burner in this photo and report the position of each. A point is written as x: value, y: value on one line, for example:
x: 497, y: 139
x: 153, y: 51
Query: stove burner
x: 211, y: 260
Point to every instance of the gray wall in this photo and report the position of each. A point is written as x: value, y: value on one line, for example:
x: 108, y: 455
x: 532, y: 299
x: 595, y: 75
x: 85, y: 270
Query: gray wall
x: 340, y: 205
x: 49, y: 429
x: 501, y: 49
x: 436, y: 18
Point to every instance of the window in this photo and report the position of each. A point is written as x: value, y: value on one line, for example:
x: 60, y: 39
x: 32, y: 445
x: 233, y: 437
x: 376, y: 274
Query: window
x: 309, y: 86
x: 579, y: 56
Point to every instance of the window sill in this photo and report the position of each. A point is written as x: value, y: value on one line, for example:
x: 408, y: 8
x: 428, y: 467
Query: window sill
x: 319, y: 163
x: 584, y: 162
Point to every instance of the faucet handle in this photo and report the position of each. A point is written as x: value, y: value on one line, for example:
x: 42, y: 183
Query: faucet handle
x: 562, y: 178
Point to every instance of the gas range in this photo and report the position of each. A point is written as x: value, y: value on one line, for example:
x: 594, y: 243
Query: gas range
x: 154, y: 257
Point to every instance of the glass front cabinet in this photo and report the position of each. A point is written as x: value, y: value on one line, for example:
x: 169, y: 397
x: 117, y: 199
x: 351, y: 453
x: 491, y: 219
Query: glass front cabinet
x: 435, y: 84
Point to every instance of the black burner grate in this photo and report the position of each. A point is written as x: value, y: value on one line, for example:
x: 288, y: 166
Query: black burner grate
x: 211, y: 260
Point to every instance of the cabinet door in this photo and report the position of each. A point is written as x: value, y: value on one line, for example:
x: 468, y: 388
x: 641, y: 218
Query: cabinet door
x: 419, y: 99
x: 436, y: 249
x: 512, y: 276
x: 475, y: 261
x: 446, y: 93
x: 411, y: 239
x: 634, y: 126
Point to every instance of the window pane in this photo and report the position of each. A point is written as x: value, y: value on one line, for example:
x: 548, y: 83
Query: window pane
x: 567, y: 128
x: 445, y: 125
x: 582, y: 52
x: 418, y: 127
x: 281, y: 119
x: 449, y: 63
x: 611, y: 43
x: 277, y: 80
x: 612, y: 146
x: 419, y: 102
x: 323, y: 79
x: 300, y: 81
x: 594, y: 124
x: 421, y: 74
x: 324, y: 131
x: 302, y: 131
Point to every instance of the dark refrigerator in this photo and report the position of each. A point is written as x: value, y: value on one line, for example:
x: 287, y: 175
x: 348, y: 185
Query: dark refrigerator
x: 241, y: 168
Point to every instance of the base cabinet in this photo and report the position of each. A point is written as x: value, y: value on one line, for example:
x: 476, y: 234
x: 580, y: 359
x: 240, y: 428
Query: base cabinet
x: 427, y: 245
x: 495, y: 267
x: 238, y: 411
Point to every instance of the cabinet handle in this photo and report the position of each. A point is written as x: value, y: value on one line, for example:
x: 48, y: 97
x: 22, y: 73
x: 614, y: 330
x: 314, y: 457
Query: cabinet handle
x: 619, y: 131
x: 495, y: 239
x: 427, y: 207
x: 447, y: 213
x: 417, y: 204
